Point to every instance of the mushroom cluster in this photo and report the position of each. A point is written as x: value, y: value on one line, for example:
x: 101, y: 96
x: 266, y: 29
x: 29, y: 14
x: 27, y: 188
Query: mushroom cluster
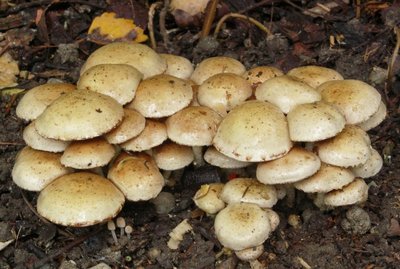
x: 135, y: 115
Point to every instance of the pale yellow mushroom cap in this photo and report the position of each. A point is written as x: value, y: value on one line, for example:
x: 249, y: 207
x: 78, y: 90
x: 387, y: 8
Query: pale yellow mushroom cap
x: 354, y: 193
x: 253, y: 131
x: 137, y: 176
x: 375, y: 119
x: 37, y: 99
x: 178, y: 66
x: 259, y: 74
x: 118, y: 81
x: 371, y: 167
x: 315, y: 75
x: 286, y: 92
x: 215, y: 65
x: 79, y: 115
x: 298, y: 164
x: 80, y: 199
x: 140, y: 56
x: 161, y: 96
x: 190, y: 7
x: 314, y: 122
x: 242, y: 225
x: 38, y: 142
x: 355, y: 99
x: 207, y: 198
x: 34, y: 169
x: 172, y: 156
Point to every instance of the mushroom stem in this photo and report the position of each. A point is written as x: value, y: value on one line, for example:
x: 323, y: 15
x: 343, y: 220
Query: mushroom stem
x: 198, y: 156
x: 121, y: 225
x: 111, y: 227
x: 128, y: 231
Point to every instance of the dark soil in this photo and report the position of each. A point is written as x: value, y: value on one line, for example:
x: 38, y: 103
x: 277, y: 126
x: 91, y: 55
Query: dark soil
x: 360, y: 47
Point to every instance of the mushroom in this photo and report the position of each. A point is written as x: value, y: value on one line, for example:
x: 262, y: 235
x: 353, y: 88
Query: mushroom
x: 35, y: 169
x: 371, y: 167
x: 216, y: 158
x: 178, y: 66
x: 118, y: 81
x: 286, y: 92
x: 38, y: 142
x: 79, y: 115
x: 315, y: 75
x: 80, y: 199
x: 207, y: 198
x: 249, y: 254
x: 375, y: 119
x: 191, y: 7
x: 355, y: 192
x: 140, y: 56
x: 37, y: 99
x: 253, y: 131
x: 257, y: 75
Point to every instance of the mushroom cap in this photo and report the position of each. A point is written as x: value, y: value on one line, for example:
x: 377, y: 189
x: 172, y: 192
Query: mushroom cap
x: 37, y: 99
x: 38, y: 142
x: 242, y: 225
x: 140, y: 56
x: 34, y: 169
x: 178, y: 66
x: 190, y: 7
x: 273, y: 218
x: 153, y: 134
x: 207, y: 198
x: 132, y: 125
x: 249, y: 254
x: 355, y: 99
x: 286, y: 92
x: 259, y: 74
x: 249, y: 190
x: 172, y: 156
x: 79, y: 115
x: 253, y: 131
x: 118, y: 81
x: 161, y: 96
x: 375, y: 119
x: 223, y: 91
x: 216, y: 158
x: 215, y: 65
x: 371, y: 167
x: 193, y: 126
x: 353, y: 193
x: 80, y: 199
x: 327, y: 178
x: 88, y: 154
x: 298, y: 164
x: 315, y: 75
x: 351, y: 147
x: 137, y: 176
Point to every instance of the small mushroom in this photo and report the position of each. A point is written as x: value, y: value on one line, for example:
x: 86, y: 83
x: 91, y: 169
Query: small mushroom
x: 178, y: 66
x: 207, y: 198
x: 257, y: 75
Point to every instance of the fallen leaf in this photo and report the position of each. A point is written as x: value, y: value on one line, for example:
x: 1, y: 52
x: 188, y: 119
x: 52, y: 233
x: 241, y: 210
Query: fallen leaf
x: 3, y: 245
x: 8, y: 71
x: 12, y: 91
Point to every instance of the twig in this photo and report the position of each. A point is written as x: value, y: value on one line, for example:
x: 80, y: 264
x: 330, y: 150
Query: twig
x: 32, y: 208
x: 390, y: 74
x: 358, y: 9
x: 163, y: 28
x: 209, y: 18
x: 242, y: 17
x: 11, y: 143
x: 150, y: 25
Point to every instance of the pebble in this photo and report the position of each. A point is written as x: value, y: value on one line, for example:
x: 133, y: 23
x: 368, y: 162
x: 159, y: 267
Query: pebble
x: 101, y: 265
x: 357, y: 221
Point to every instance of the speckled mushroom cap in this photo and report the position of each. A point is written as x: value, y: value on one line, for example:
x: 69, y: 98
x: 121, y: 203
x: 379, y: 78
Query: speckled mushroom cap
x: 207, y: 198
x: 249, y: 190
x: 353, y: 193
x: 253, y: 131
x: 172, y: 156
x: 215, y: 65
x: 351, y: 147
x: 242, y: 225
x: 327, y: 178
x: 257, y: 75
x: 314, y: 122
x: 137, y: 176
x: 223, y: 91
x: 355, y: 99
x: 118, y: 81
x: 37, y: 99
x: 161, y: 96
x: 153, y: 134
x: 178, y: 66
x: 315, y: 75
x: 79, y: 115
x: 193, y: 126
x: 375, y: 119
x: 80, y: 199
x: 38, y: 142
x: 88, y: 154
x: 131, y: 126
x: 371, y: 167
x: 216, y: 158
x: 140, y: 56
x: 286, y: 92
x: 34, y: 169
x: 298, y: 164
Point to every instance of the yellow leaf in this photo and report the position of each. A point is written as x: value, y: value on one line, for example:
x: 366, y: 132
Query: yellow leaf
x: 12, y: 91
x: 108, y: 27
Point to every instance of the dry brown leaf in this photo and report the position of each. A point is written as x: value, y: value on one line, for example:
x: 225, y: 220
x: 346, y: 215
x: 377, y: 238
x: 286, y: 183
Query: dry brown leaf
x: 8, y: 71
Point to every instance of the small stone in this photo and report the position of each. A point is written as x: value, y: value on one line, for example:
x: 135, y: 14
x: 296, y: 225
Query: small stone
x: 101, y: 265
x: 294, y: 221
x: 357, y: 221
x: 68, y: 265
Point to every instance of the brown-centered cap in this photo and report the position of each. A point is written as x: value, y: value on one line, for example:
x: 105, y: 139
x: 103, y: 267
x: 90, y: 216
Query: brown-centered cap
x: 118, y: 81
x: 315, y: 75
x: 38, y: 142
x: 178, y: 66
x: 37, y: 99
x: 137, y: 176
x: 253, y: 131
x: 216, y: 158
x: 257, y: 75
x: 34, y: 169
x: 79, y: 115
x: 80, y: 199
x: 172, y: 156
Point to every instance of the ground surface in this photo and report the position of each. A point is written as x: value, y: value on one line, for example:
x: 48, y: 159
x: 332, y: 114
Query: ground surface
x: 358, y: 48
